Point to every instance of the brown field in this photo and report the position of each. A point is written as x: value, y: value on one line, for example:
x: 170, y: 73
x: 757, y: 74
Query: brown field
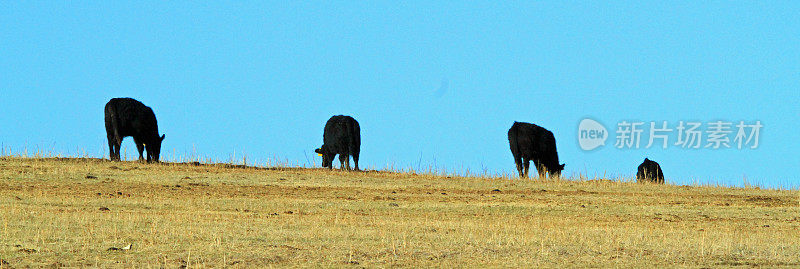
x: 74, y: 212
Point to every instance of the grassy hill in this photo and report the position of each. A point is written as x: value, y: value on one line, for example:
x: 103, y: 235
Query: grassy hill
x: 75, y: 212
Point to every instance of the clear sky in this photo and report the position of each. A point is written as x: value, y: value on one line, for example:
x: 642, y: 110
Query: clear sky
x: 431, y: 82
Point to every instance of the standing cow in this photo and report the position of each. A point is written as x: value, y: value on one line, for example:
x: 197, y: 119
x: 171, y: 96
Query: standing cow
x: 128, y: 117
x: 342, y: 136
x: 649, y: 171
x: 531, y: 142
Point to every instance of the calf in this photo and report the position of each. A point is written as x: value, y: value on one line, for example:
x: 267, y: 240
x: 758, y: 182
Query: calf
x: 650, y: 171
x: 128, y: 117
x: 531, y: 142
x: 342, y: 136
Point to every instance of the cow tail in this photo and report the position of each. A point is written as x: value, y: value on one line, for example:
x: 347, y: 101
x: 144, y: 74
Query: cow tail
x: 112, y: 118
x: 517, y: 151
x: 356, y: 138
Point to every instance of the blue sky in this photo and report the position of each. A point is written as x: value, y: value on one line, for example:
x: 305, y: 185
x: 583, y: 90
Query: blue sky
x: 431, y: 82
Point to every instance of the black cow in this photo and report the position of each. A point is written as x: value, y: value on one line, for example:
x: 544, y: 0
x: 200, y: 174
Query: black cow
x: 650, y: 171
x: 342, y: 136
x: 128, y: 117
x: 532, y: 142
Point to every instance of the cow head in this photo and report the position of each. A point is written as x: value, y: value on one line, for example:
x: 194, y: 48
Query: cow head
x: 154, y: 149
x: 557, y: 171
x: 327, y: 157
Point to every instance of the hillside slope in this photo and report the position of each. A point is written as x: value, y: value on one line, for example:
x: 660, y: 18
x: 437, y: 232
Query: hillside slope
x: 75, y: 212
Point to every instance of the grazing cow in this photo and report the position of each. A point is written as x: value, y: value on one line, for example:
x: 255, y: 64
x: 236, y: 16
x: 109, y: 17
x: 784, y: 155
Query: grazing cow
x: 128, y: 117
x: 532, y: 142
x: 342, y: 136
x: 650, y: 171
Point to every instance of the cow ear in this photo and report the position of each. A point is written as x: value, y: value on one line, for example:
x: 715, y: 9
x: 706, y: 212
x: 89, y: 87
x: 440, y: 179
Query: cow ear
x: 562, y: 166
x: 162, y: 137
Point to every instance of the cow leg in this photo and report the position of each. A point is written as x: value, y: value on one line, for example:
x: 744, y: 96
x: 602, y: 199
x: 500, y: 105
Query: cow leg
x: 111, y: 151
x: 330, y: 164
x: 343, y: 160
x: 140, y: 148
x: 526, y: 163
x: 541, y: 170
x: 518, y: 162
x: 117, y: 145
x: 114, y: 140
x: 355, y: 160
x: 118, y: 148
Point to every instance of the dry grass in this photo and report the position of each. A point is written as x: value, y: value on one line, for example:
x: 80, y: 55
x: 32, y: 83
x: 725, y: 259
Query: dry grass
x: 69, y: 212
